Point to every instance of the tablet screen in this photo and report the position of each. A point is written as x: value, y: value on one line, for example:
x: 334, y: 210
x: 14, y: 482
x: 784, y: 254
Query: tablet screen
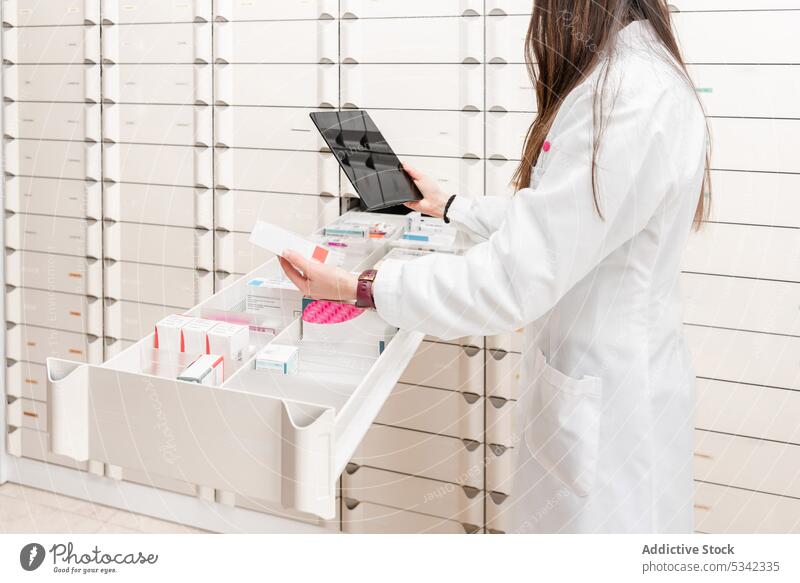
x: 367, y: 160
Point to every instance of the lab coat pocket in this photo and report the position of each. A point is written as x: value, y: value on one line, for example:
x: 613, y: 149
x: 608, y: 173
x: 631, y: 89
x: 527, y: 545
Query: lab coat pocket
x: 563, y: 425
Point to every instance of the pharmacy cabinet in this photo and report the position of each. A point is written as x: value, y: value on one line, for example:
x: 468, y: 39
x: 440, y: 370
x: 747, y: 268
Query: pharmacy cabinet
x: 744, y: 357
x: 772, y: 144
x: 432, y: 133
x: 169, y: 84
x: 238, y: 210
x: 412, y: 40
x: 56, y: 83
x: 35, y: 344
x: 438, y: 457
x: 443, y: 499
x: 157, y: 284
x: 447, y: 366
x: 52, y: 159
x: 721, y: 509
x: 741, y: 409
x: 159, y: 164
x: 26, y: 379
x: 509, y: 88
x: 298, y: 85
x: 171, y: 246
x: 29, y: 443
x: 183, y: 125
x: 50, y: 12
x: 235, y: 254
x: 51, y: 196
x: 47, y: 234
x: 387, y: 8
x: 747, y: 463
x: 505, y: 38
x: 450, y: 413
x: 295, y: 41
x: 52, y: 121
x: 756, y: 198
x: 503, y: 373
x: 744, y: 251
x: 183, y: 43
x: 49, y: 309
x: 132, y: 320
x: 505, y: 134
x: 176, y: 206
x: 151, y: 11
x: 277, y: 171
x: 232, y: 10
x: 277, y: 128
x: 457, y: 87
x: 368, y: 518
x: 65, y: 45
x: 757, y: 36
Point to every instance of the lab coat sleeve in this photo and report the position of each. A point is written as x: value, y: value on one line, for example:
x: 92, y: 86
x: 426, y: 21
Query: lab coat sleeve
x: 551, y: 237
x: 478, y: 218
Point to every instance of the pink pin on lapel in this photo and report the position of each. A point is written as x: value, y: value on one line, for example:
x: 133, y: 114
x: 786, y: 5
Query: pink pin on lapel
x: 546, y: 146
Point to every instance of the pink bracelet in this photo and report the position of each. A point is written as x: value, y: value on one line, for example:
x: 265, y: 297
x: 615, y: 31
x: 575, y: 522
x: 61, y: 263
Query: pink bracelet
x: 364, y: 297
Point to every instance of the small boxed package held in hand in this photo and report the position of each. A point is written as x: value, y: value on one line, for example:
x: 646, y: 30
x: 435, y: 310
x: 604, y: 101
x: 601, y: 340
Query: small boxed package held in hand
x: 278, y: 240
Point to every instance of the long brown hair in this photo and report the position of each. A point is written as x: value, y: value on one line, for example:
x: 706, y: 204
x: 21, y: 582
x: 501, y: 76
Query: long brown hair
x: 566, y: 40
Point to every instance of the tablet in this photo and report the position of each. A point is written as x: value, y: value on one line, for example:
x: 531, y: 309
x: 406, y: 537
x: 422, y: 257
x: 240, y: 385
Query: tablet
x: 367, y: 160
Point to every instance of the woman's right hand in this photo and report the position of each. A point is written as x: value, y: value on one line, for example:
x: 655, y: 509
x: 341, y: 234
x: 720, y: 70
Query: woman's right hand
x: 435, y: 198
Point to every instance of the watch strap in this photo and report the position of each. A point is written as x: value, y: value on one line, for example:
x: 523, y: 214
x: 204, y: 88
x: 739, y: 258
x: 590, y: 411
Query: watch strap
x: 364, y: 298
x: 447, y: 208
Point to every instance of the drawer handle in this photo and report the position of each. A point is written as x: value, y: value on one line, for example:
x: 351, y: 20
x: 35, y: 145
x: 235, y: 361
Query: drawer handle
x: 74, y: 313
x: 31, y: 382
x: 498, y: 402
x: 498, y: 353
x: 75, y: 351
x: 471, y: 444
x: 30, y: 414
x: 498, y: 497
x: 702, y: 507
x: 471, y: 350
x: 74, y: 275
x: 470, y: 528
x: 498, y: 449
x: 31, y: 344
x: 470, y: 491
x: 703, y: 456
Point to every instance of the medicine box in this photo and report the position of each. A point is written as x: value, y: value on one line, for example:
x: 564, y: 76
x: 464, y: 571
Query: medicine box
x: 278, y: 240
x: 278, y: 301
x: 207, y: 369
x: 229, y: 340
x: 195, y: 336
x: 278, y: 357
x: 168, y: 333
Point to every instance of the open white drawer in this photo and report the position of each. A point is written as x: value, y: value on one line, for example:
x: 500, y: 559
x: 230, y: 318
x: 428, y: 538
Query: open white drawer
x: 272, y: 437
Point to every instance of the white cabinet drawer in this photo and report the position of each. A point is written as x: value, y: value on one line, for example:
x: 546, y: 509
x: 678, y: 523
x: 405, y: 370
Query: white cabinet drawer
x: 739, y: 303
x: 76, y: 160
x: 235, y: 253
x: 33, y: 444
x: 277, y: 171
x: 293, y: 41
x: 176, y: 206
x: 367, y: 518
x: 509, y: 342
x: 509, y: 88
x: 387, y: 8
x: 722, y: 510
x: 432, y: 133
x: 455, y: 87
x: 499, y: 514
x: 277, y: 128
x: 238, y: 210
x: 27, y: 413
x: 157, y: 284
x: 33, y: 344
x: 157, y: 43
x: 756, y: 198
x: 744, y: 251
x: 52, y: 121
x: 503, y: 373
x: 159, y: 164
x: 464, y: 176
x: 501, y: 468
x: 502, y: 7
x: 27, y: 379
x: 758, y: 37
x: 448, y: 459
x: 77, y: 83
x: 174, y: 246
x: 446, y: 366
x: 51, y: 196
x: 459, y: 503
x: 774, y: 143
x: 719, y: 87
x: 298, y: 85
x: 505, y: 38
x: 49, y: 309
x: 54, y: 235
x: 748, y: 410
x: 745, y: 357
x: 183, y: 125
x: 743, y: 462
x: 50, y: 12
x: 144, y: 11
x: 297, y: 10
x: 132, y: 320
x: 500, y: 423
x: 435, y: 411
x: 498, y: 177
x: 412, y: 40
x: 58, y: 273
x: 52, y: 45
x: 177, y: 84
x: 505, y: 134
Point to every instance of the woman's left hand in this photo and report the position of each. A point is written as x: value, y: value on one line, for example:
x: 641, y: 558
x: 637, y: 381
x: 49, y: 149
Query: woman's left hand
x: 317, y: 280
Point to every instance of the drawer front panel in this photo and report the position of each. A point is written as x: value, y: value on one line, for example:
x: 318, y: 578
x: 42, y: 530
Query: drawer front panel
x: 52, y: 121
x: 777, y: 141
x: 131, y: 320
x: 445, y: 366
x: 509, y: 88
x: 158, y: 43
x: 157, y: 284
x: 51, y: 196
x: 54, y: 45
x: 28, y: 414
x: 171, y: 165
x: 503, y: 373
x: 756, y: 198
x: 56, y: 273
x: 500, y: 422
x: 721, y: 510
x: 235, y: 253
x: 54, y: 235
x: 172, y: 246
x: 502, y: 7
x: 35, y: 445
x: 289, y: 128
x: 68, y: 160
x: 505, y: 38
x: 61, y: 83
x: 50, y: 12
x: 177, y: 206
x: 368, y: 518
x: 297, y: 41
x: 505, y: 134
x: 175, y: 84
x: 508, y: 342
x: 249, y: 10
x: 184, y: 125
x: 432, y: 133
x: 33, y: 344
x: 144, y: 11
x: 238, y: 210
x: 498, y: 177
x: 27, y: 380
x: 387, y: 8
x: 277, y: 171
x: 73, y: 313
x: 299, y: 86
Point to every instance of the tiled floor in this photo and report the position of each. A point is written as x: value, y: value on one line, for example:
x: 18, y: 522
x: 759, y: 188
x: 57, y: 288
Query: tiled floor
x: 28, y: 510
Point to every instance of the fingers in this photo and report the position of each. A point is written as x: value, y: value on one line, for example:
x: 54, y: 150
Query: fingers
x: 297, y: 260
x: 414, y: 205
x: 295, y: 276
x: 412, y: 172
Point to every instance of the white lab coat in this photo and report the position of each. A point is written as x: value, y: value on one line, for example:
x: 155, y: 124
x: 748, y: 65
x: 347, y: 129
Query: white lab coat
x: 603, y: 437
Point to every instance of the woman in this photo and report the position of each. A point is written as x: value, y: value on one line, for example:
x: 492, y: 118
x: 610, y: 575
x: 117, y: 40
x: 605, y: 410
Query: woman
x: 586, y: 257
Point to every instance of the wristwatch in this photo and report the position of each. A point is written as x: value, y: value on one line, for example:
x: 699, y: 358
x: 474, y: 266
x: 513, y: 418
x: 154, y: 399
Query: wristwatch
x: 447, y: 208
x: 364, y: 297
